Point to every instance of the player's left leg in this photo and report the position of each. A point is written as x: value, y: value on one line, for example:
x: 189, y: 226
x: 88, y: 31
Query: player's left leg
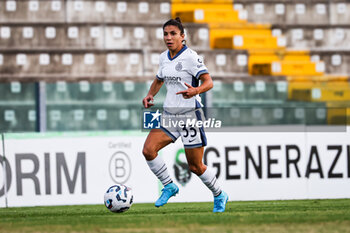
x: 195, y: 162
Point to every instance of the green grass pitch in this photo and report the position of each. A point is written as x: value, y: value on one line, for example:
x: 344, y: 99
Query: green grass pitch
x: 249, y: 216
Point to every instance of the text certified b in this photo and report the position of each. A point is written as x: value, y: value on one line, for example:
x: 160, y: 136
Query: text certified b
x: 120, y: 167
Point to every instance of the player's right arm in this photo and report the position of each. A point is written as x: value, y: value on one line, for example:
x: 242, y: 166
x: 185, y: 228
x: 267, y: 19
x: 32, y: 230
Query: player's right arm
x: 153, y: 90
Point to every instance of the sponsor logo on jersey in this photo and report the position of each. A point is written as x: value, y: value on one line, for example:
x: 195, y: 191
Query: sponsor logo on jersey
x: 200, y: 61
x: 172, y: 80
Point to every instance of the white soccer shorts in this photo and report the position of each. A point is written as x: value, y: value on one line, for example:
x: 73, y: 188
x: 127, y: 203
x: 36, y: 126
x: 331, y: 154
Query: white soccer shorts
x: 186, y: 126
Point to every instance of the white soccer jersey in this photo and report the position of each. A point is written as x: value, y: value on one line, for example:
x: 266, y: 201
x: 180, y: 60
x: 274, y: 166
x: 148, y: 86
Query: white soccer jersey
x: 185, y: 67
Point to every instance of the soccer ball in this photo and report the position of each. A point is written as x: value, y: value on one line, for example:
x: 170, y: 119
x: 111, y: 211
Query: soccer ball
x: 118, y: 198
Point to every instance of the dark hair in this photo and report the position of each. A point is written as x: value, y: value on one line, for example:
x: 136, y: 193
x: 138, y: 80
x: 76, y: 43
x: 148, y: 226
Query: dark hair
x: 175, y: 22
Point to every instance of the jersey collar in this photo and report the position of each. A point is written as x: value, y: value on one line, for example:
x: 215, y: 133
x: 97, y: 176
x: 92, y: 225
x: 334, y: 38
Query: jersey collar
x: 183, y: 49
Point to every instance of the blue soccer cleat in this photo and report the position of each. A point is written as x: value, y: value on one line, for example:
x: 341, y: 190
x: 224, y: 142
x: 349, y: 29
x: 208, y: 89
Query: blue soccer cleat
x: 169, y: 190
x: 220, y: 202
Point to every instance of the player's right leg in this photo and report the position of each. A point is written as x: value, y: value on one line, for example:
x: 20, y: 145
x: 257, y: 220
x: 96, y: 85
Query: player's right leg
x: 156, y: 140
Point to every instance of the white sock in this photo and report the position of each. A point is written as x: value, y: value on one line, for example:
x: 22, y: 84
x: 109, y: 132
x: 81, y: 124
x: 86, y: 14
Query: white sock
x: 209, y: 179
x: 159, y: 168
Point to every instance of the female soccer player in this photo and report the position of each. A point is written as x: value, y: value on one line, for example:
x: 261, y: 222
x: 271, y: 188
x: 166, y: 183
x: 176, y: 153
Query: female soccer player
x: 180, y: 68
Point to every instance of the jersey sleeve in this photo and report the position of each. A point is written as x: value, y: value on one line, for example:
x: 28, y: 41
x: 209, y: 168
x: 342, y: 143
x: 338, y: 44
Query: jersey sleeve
x: 197, y: 67
x: 160, y: 67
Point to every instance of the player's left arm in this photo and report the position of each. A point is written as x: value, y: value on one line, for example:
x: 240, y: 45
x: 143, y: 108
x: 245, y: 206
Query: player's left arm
x: 207, y: 84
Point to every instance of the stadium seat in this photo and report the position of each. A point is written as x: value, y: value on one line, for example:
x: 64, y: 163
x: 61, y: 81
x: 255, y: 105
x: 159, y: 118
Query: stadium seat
x: 225, y: 63
x: 15, y: 63
x: 209, y: 16
x: 311, y: 12
x: 106, y: 91
x: 79, y: 63
x: 133, y: 36
x: 111, y: 36
x: 249, y: 90
x: 249, y: 42
x: 284, y: 63
x: 131, y: 92
x: 265, y: 113
x: 129, y: 62
x: 68, y: 117
x: 151, y: 36
x: 106, y: 106
x: 319, y: 91
x: 220, y: 31
x: 206, y: 12
x: 180, y: 6
x: 338, y: 113
x: 316, y: 36
x: 84, y: 11
x: 112, y: 118
x: 297, y: 68
x: 17, y: 91
x: 291, y: 12
x: 197, y: 36
x: 93, y: 116
x: 17, y: 106
x: 18, y: 11
x: 262, y: 91
x: 339, y: 12
x: 17, y: 117
x: 54, y: 35
x: 337, y: 61
x: 261, y: 11
x: 228, y: 91
x: 118, y: 11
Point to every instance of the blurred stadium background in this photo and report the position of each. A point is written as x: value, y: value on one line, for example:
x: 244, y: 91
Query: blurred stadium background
x: 73, y: 65
x: 86, y: 65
